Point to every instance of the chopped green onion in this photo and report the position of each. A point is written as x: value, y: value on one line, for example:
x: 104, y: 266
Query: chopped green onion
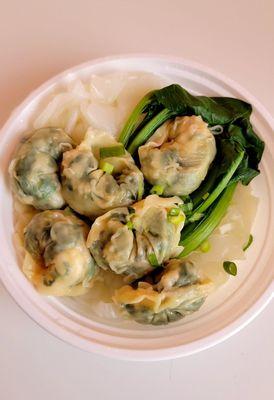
x: 157, y: 189
x: 195, y: 217
x: 186, y: 207
x: 112, y: 151
x: 153, y: 260
x: 140, y: 190
x: 230, y: 267
x: 149, y: 129
x: 176, y: 220
x: 205, y: 196
x: 205, y: 246
x: 106, y: 167
x: 173, y: 212
x: 130, y: 225
x: 249, y: 243
x: 202, y: 231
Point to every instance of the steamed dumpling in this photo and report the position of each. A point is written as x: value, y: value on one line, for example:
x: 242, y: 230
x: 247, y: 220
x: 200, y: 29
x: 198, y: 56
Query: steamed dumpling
x: 165, y: 296
x: 178, y: 155
x: 57, y: 260
x: 90, y: 190
x: 34, y: 170
x: 131, y: 241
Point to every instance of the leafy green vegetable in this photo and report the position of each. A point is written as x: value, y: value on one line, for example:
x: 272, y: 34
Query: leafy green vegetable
x: 206, y: 226
x: 233, y: 114
x: 230, y: 267
x: 239, y: 151
x: 221, y: 186
x: 249, y: 243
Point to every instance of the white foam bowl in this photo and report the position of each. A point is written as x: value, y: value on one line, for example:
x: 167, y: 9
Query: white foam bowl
x: 225, y: 312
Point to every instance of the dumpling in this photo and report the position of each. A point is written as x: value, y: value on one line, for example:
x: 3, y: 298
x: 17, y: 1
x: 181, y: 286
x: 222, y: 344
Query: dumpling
x: 94, y: 185
x: 178, y: 155
x: 134, y: 240
x: 34, y: 170
x: 57, y: 260
x: 165, y: 296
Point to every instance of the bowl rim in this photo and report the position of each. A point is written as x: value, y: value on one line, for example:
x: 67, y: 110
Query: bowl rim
x: 133, y: 354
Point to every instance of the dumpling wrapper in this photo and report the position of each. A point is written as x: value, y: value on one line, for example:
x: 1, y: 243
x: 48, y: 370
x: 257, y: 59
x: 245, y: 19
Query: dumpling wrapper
x: 88, y: 189
x: 123, y: 239
x: 173, y: 293
x: 178, y: 155
x: 34, y: 170
x: 57, y: 260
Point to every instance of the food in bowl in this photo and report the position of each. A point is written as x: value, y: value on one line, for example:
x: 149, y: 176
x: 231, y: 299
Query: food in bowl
x: 156, y: 190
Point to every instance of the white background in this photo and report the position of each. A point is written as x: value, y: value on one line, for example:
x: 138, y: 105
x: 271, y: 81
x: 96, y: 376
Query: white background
x: 39, y: 39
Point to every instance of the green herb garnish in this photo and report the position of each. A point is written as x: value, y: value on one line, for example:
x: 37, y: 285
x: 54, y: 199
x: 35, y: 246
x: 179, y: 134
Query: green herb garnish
x: 153, y: 260
x: 174, y: 211
x: 106, y: 167
x: 157, y: 189
x: 230, y: 267
x: 130, y: 225
x: 249, y: 243
x: 112, y: 151
x: 205, y: 246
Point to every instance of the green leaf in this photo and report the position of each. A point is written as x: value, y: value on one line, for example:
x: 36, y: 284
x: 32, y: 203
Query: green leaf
x: 230, y: 267
x: 213, y: 110
x: 233, y: 115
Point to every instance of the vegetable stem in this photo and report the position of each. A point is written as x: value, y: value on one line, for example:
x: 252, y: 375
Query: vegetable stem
x: 149, y: 129
x: 221, y: 186
x: 209, y: 223
x: 134, y: 118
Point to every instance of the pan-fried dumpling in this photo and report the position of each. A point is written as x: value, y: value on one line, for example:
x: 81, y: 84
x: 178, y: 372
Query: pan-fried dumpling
x: 57, y: 260
x: 165, y: 296
x: 178, y: 155
x: 134, y: 240
x: 93, y: 185
x: 34, y: 170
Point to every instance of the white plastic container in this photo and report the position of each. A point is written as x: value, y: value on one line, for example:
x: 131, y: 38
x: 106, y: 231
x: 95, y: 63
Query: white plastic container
x: 226, y: 311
